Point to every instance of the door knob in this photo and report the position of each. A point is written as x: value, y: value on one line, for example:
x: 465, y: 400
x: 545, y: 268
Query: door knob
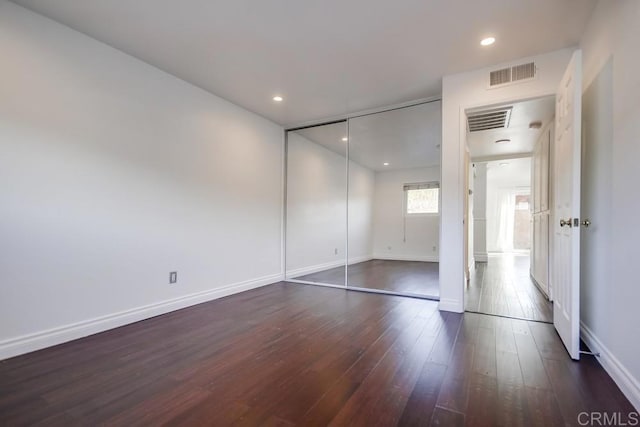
x: 567, y: 222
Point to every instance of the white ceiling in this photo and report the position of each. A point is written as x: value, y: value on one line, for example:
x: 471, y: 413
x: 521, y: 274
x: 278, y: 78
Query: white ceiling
x: 482, y: 144
x: 509, y: 173
x: 326, y: 57
x: 405, y: 138
x: 329, y: 136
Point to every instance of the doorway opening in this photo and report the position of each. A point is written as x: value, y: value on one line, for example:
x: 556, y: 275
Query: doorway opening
x: 509, y: 208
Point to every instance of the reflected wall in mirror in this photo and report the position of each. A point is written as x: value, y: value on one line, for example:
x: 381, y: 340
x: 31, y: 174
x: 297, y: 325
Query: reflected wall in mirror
x: 316, y: 215
x: 394, y: 200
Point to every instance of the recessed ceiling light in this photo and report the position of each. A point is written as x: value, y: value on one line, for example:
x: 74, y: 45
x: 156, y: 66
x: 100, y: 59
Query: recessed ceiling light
x: 502, y: 141
x: 278, y: 98
x: 488, y: 41
x: 345, y: 139
x: 385, y: 164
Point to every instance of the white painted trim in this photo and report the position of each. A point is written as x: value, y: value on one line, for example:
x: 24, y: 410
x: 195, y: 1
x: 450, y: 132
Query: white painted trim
x: 364, y: 112
x: 326, y: 266
x: 453, y: 305
x: 39, y: 340
x: 359, y: 259
x: 487, y: 159
x: 481, y: 256
x: 629, y: 385
x: 423, y: 258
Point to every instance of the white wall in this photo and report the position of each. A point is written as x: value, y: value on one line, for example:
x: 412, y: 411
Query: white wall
x: 422, y: 231
x: 611, y: 109
x: 317, y: 208
x: 480, y: 213
x: 460, y: 92
x: 113, y: 174
x: 361, y: 200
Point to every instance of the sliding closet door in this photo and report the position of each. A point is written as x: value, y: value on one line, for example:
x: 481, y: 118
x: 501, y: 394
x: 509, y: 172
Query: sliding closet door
x: 316, y: 208
x: 394, y: 200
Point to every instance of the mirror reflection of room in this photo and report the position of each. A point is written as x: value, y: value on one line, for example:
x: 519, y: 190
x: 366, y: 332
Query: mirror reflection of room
x: 363, y: 202
x: 316, y: 219
x: 394, y: 200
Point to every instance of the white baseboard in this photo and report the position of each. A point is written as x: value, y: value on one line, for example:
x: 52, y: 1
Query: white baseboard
x: 360, y: 259
x: 303, y: 271
x: 28, y: 343
x: 450, y: 305
x: 423, y: 258
x: 481, y: 257
x: 629, y: 385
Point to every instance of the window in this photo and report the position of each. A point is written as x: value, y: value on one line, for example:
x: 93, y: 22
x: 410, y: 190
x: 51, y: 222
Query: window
x: 422, y: 199
x: 522, y: 202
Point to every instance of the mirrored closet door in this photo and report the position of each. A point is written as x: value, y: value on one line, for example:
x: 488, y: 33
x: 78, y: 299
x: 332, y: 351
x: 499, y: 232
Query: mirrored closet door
x: 363, y: 202
x: 394, y: 200
x: 316, y: 204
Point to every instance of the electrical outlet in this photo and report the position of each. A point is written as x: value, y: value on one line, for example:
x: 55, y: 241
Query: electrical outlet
x: 335, y: 251
x: 173, y: 277
x: 434, y: 249
x: 388, y: 248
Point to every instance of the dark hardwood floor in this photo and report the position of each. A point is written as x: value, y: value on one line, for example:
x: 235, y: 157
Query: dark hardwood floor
x: 332, y: 276
x: 289, y: 354
x: 503, y: 287
x: 413, y: 277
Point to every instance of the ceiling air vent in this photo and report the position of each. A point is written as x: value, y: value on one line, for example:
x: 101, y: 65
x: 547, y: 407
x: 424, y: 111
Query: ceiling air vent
x: 512, y: 74
x: 523, y: 72
x: 489, y: 119
x: 500, y: 77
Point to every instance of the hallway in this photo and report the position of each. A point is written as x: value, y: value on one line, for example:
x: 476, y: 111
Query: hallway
x: 503, y: 287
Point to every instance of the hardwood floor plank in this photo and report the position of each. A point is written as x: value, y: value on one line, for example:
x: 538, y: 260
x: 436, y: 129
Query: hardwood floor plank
x: 421, y: 404
x: 454, y: 392
x: 444, y: 417
x: 361, y: 406
x: 512, y: 406
x: 533, y: 372
x: 289, y: 354
x: 502, y: 286
x: 482, y: 409
x: 547, y: 341
x: 485, y: 353
x: 441, y: 352
x: 542, y: 408
x: 570, y: 401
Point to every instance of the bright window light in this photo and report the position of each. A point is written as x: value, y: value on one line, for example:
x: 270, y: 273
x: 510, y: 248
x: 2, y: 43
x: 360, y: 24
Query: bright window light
x: 422, y: 199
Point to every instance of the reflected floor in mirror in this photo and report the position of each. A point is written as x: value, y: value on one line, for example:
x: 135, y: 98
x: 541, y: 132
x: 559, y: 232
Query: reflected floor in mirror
x: 503, y: 287
x: 410, y: 277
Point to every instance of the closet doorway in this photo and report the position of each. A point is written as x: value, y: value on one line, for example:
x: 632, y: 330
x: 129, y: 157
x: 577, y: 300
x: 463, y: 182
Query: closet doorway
x: 363, y: 202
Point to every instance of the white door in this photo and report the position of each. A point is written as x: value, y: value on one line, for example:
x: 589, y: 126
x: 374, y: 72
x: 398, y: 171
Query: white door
x: 566, y: 263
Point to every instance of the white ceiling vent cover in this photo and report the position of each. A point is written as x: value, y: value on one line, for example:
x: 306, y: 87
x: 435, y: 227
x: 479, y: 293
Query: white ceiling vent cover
x: 500, y: 77
x: 517, y: 73
x: 489, y: 119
